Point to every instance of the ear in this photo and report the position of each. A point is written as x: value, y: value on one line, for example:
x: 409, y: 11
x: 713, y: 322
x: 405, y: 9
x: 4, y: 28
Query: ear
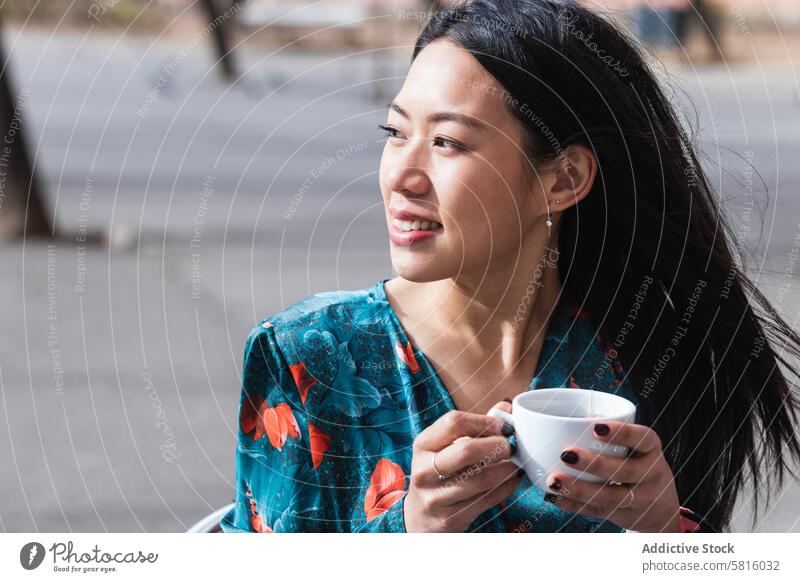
x: 574, y: 175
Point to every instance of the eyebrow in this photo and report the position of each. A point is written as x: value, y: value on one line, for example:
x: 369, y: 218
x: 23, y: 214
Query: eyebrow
x: 438, y: 116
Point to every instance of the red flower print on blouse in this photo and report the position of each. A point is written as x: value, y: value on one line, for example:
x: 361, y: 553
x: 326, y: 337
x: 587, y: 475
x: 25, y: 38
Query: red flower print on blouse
x: 619, y: 372
x: 320, y: 442
x: 256, y: 521
x: 617, y: 366
x: 302, y: 380
x: 258, y: 419
x: 385, y: 488
x: 689, y: 520
x: 280, y: 424
x: 406, y: 353
x: 250, y: 417
x: 575, y: 310
x: 688, y: 526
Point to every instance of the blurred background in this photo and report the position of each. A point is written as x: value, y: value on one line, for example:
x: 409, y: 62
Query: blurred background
x: 174, y: 171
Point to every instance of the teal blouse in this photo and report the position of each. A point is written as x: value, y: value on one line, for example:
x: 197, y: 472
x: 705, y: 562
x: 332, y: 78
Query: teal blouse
x: 333, y: 396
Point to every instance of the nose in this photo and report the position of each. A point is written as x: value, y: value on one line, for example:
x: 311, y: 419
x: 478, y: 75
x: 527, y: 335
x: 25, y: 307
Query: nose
x: 407, y: 176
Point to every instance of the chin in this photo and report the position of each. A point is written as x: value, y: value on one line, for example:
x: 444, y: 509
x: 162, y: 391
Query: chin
x: 415, y: 270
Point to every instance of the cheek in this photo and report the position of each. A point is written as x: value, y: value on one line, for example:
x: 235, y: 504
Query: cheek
x: 488, y: 212
x: 383, y: 168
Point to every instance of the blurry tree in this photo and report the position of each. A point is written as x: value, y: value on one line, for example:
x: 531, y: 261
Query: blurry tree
x: 220, y: 15
x: 22, y: 208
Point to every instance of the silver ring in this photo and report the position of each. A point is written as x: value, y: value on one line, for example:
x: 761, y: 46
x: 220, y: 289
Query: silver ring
x: 630, y: 495
x: 438, y: 473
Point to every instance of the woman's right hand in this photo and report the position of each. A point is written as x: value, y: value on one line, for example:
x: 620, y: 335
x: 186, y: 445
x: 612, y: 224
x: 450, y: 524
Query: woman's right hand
x: 473, y: 451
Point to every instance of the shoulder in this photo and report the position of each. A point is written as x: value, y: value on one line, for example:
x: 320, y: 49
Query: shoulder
x: 328, y: 309
x: 306, y: 338
x: 320, y: 357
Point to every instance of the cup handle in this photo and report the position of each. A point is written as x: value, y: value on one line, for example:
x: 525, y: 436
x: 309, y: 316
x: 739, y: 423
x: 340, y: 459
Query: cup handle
x: 506, y: 417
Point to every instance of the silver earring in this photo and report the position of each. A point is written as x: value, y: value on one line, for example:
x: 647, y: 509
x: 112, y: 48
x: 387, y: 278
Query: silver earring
x: 549, y: 222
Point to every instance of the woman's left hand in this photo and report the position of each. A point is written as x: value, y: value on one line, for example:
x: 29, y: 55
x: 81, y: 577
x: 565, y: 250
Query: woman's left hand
x: 644, y: 500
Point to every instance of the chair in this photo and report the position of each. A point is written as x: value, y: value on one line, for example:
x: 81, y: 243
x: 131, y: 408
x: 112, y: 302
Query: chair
x: 211, y: 522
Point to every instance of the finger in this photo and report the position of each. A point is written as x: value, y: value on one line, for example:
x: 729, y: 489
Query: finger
x: 572, y: 506
x: 487, y: 499
x: 475, y: 481
x: 504, y: 405
x: 468, y: 451
x: 455, y: 424
x: 609, y: 498
x: 623, y: 470
x: 637, y: 437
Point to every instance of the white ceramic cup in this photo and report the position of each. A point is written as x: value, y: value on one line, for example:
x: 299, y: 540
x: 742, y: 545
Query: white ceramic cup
x: 547, y: 421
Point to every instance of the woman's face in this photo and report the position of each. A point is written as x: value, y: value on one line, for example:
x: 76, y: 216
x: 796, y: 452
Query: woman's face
x: 454, y: 156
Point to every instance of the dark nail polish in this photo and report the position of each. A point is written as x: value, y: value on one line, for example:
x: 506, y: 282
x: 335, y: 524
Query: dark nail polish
x: 550, y: 497
x: 569, y: 457
x: 507, y: 400
x: 507, y: 429
x: 513, y: 446
x: 555, y: 485
x: 602, y: 429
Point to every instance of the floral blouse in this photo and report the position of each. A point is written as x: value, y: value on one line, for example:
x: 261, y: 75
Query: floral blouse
x: 333, y: 396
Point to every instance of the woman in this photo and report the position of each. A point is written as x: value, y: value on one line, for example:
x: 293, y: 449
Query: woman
x: 551, y: 228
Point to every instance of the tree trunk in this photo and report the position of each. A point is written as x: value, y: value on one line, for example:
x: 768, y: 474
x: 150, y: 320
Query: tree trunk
x: 22, y: 208
x: 219, y: 26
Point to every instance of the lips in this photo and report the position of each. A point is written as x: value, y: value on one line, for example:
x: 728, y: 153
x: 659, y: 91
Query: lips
x: 408, y: 227
x: 412, y: 225
x: 407, y: 220
x: 406, y: 238
x: 410, y: 215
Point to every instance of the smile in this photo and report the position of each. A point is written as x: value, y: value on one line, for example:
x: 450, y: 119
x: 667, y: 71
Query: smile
x: 405, y: 233
x: 409, y: 225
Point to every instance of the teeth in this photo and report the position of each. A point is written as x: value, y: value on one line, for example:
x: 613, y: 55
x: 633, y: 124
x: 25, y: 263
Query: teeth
x: 409, y: 225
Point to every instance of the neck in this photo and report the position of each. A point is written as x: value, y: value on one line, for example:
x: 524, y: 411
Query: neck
x: 501, y: 316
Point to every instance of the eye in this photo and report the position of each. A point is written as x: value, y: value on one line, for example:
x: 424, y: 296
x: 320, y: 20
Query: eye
x: 451, y: 145
x: 390, y: 131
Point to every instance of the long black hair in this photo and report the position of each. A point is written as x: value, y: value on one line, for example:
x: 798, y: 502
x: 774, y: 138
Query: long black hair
x: 648, y: 253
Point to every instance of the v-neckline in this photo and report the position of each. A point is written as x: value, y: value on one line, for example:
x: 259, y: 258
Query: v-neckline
x: 536, y: 380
